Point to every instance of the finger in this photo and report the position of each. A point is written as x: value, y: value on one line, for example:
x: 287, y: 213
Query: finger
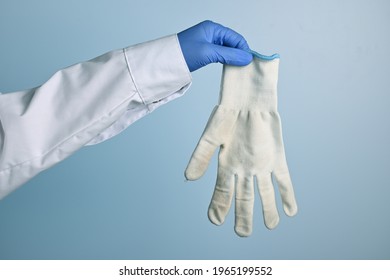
x: 225, y: 36
x: 222, y: 197
x: 267, y: 195
x: 286, y: 190
x: 229, y: 55
x: 244, y: 206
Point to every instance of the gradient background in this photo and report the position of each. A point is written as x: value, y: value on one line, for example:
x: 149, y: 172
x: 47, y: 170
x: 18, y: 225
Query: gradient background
x: 127, y: 198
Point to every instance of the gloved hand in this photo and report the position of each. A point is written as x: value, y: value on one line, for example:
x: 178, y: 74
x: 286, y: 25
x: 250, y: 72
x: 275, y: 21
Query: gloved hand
x: 209, y: 42
x: 246, y: 126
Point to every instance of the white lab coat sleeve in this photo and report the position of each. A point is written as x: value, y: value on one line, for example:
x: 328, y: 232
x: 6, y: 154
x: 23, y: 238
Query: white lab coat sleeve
x: 86, y: 103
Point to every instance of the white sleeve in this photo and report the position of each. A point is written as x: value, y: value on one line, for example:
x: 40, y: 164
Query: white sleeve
x: 85, y: 104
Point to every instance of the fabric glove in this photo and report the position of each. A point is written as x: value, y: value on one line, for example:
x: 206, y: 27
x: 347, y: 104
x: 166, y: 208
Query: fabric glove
x: 247, y: 128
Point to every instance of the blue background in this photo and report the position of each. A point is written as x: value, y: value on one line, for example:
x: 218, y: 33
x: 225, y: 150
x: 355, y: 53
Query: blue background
x: 127, y: 198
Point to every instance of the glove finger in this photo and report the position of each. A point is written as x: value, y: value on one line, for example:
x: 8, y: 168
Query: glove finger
x: 267, y: 195
x: 286, y: 190
x: 230, y: 56
x: 225, y: 36
x: 222, y: 197
x: 244, y: 206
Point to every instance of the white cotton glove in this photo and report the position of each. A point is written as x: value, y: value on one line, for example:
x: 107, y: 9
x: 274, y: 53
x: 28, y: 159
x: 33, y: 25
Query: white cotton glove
x: 246, y: 126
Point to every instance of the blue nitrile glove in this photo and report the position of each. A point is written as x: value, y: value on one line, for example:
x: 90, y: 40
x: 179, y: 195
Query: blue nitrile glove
x: 209, y: 42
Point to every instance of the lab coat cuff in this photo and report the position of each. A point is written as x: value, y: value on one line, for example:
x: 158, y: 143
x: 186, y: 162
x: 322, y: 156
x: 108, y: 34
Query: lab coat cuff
x: 158, y: 69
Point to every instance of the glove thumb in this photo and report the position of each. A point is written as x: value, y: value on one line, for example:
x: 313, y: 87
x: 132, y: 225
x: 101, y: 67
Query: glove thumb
x: 218, y: 128
x: 200, y: 159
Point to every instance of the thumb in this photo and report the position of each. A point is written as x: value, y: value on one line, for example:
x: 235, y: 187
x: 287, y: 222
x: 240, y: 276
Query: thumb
x: 217, y: 127
x: 200, y: 159
x: 230, y: 56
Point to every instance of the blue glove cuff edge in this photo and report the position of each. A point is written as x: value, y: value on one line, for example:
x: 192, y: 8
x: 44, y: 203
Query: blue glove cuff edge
x: 264, y: 57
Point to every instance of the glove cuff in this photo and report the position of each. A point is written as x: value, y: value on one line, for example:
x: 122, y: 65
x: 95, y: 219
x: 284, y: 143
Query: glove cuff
x: 251, y: 87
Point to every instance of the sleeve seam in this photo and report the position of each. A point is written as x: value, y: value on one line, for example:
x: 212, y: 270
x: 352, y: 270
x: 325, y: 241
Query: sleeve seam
x: 133, y: 80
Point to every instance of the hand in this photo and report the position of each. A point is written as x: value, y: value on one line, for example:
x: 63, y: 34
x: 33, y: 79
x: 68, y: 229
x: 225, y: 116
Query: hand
x: 209, y: 42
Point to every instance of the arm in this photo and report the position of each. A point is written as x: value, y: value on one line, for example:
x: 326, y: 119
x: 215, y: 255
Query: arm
x: 86, y: 103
